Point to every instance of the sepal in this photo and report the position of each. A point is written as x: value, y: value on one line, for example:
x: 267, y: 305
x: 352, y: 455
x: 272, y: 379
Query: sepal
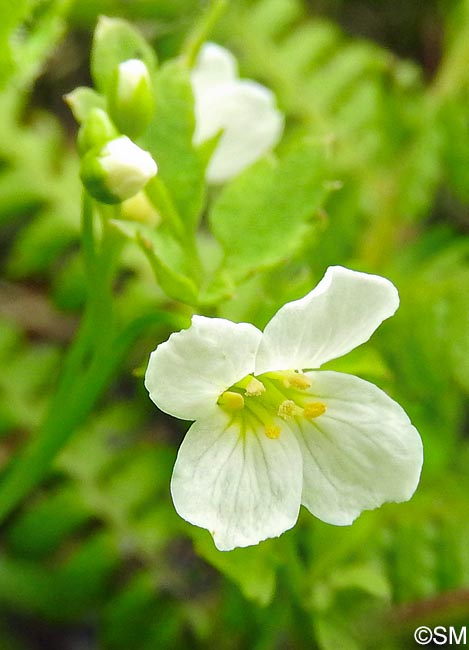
x: 96, y: 130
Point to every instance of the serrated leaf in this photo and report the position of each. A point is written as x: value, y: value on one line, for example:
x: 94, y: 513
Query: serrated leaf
x: 262, y: 217
x: 169, y: 140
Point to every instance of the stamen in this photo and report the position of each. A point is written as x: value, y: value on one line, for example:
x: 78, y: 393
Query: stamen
x: 231, y: 401
x: 272, y: 431
x: 314, y: 410
x: 289, y: 409
x: 255, y: 388
x: 296, y: 380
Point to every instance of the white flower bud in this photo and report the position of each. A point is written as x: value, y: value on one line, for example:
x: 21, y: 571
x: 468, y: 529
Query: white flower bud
x: 117, y: 171
x: 131, y: 99
x: 243, y: 111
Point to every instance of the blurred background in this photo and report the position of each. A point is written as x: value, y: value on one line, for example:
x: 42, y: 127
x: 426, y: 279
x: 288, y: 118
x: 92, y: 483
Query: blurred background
x: 92, y: 555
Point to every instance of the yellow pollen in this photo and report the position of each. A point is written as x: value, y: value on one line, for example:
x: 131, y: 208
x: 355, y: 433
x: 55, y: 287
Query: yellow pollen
x: 272, y: 431
x: 231, y: 401
x: 297, y: 380
x: 314, y: 410
x: 255, y: 388
x: 288, y: 409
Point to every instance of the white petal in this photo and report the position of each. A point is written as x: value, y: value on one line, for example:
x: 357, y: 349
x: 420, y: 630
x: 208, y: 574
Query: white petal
x: 214, y: 66
x: 246, y: 113
x: 361, y: 453
x: 187, y: 373
x: 243, y: 488
x: 127, y: 167
x: 342, y: 312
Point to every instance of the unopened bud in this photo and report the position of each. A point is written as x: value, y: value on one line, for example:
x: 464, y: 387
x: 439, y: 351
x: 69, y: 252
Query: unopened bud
x: 131, y: 99
x: 140, y: 209
x: 117, y: 171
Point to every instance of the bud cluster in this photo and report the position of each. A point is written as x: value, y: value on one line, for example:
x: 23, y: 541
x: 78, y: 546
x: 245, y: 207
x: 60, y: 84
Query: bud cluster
x: 113, y: 167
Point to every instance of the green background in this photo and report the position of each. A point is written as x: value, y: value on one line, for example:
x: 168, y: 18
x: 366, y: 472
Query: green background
x: 373, y: 174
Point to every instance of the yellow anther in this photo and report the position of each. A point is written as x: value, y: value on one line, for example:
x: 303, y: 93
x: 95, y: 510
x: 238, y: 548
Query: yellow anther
x: 288, y: 409
x: 314, y: 410
x: 231, y: 401
x: 272, y: 431
x: 296, y: 380
x: 255, y: 388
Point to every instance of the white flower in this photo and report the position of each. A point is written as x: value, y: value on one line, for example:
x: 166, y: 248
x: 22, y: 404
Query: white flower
x: 270, y: 433
x: 245, y: 111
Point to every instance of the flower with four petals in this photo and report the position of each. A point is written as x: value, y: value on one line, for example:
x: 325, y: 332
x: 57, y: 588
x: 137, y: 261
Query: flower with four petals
x: 271, y: 432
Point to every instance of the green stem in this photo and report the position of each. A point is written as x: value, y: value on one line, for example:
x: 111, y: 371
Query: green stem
x: 161, y: 198
x: 203, y: 30
x: 87, y: 367
x: 80, y: 347
x: 63, y: 419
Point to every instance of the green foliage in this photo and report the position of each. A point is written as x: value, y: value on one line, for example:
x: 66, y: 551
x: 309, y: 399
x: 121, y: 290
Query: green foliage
x: 372, y: 173
x: 266, y: 201
x: 29, y: 31
x: 169, y: 139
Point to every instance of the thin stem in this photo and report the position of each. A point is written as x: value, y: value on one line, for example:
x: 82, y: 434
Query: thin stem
x: 203, y: 30
x: 62, y: 420
x: 161, y: 198
x: 87, y: 234
x: 80, y: 347
x: 87, y: 367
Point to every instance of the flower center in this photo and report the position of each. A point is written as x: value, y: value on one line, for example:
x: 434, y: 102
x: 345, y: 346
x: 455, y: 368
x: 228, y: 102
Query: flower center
x: 270, y: 399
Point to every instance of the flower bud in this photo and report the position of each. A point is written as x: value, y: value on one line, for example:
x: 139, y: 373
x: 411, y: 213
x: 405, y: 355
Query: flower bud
x: 96, y: 130
x: 131, y: 100
x: 116, y: 171
x: 140, y: 209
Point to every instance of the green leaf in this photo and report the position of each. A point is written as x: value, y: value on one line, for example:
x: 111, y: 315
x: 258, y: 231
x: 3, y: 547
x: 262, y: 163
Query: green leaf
x: 454, y: 125
x: 366, y: 577
x: 115, y: 40
x: 13, y: 12
x: 126, y: 616
x: 42, y: 528
x: 174, y: 284
x: 45, y: 27
x: 253, y: 569
x: 169, y: 139
x: 263, y: 216
x: 333, y: 634
x: 166, y: 258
